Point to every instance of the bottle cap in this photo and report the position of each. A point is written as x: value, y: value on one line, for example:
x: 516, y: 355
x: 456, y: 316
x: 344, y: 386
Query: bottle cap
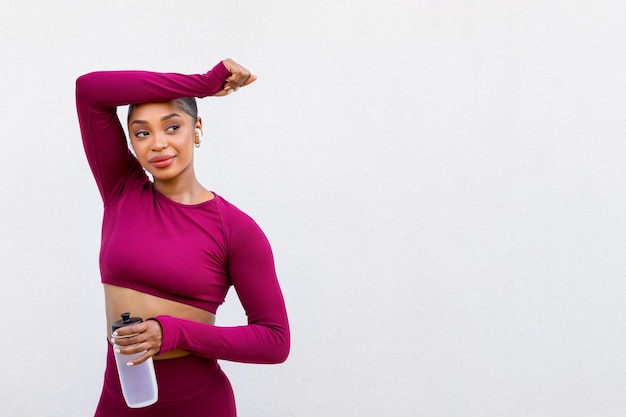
x: 126, y: 320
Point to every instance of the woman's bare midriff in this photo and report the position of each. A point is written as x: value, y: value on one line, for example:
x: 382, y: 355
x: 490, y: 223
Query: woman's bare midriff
x: 119, y: 300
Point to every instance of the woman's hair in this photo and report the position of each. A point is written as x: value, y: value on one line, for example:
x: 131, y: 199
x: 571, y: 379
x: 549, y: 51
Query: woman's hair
x: 185, y: 104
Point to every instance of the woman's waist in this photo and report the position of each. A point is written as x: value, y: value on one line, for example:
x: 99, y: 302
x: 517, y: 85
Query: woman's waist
x: 120, y: 300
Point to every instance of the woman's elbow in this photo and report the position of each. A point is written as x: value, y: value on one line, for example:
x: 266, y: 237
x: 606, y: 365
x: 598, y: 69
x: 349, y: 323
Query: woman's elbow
x: 84, y: 85
x: 279, y: 349
x: 281, y: 353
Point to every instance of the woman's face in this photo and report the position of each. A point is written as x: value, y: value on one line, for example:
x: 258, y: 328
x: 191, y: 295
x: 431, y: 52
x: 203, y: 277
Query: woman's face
x: 163, y: 138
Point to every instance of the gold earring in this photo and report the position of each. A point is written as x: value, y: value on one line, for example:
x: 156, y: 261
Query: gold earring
x: 198, y: 140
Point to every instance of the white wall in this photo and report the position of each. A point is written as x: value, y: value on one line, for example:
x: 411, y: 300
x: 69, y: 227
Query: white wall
x: 441, y: 182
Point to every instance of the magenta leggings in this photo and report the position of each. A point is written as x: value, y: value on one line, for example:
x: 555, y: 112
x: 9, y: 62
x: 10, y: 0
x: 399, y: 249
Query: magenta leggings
x: 188, y: 386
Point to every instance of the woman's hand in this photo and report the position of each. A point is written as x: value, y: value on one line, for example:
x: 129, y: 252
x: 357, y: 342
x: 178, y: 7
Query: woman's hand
x: 239, y: 77
x: 147, y: 336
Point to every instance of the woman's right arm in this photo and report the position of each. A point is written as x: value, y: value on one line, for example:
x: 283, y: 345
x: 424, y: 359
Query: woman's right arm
x: 98, y: 95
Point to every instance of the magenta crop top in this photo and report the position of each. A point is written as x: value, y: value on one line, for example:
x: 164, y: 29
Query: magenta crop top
x: 187, y: 253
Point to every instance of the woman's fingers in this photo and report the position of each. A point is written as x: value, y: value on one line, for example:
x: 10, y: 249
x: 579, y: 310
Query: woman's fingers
x: 147, y: 355
x: 239, y: 77
x: 146, y: 336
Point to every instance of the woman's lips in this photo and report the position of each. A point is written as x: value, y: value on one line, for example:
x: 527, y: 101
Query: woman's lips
x: 162, y: 161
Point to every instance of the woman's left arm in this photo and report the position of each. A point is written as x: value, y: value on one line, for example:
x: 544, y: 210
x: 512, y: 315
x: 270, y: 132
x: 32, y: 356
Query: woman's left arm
x: 266, y: 338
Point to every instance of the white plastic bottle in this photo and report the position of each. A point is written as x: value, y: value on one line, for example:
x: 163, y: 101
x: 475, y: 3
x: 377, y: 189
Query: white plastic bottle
x: 139, y: 384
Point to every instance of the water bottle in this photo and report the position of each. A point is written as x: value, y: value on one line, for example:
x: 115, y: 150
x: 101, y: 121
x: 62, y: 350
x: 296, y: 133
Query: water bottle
x: 139, y: 384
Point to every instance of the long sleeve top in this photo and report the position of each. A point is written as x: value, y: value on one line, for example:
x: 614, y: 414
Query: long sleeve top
x: 187, y: 253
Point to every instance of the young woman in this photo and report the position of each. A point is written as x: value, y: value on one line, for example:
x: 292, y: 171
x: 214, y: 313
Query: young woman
x: 171, y: 249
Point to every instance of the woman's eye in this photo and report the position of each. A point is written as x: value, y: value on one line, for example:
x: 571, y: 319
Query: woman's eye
x: 142, y: 134
x: 172, y: 128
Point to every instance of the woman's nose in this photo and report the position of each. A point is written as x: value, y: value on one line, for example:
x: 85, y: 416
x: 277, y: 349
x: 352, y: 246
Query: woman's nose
x: 159, y: 143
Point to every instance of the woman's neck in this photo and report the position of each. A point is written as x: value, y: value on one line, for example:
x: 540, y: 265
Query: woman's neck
x: 183, y: 192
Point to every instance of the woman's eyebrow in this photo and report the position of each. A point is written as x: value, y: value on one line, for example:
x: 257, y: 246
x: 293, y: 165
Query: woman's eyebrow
x: 169, y: 116
x: 164, y: 118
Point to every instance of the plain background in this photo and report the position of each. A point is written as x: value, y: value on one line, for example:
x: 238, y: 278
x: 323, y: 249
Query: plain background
x: 441, y: 181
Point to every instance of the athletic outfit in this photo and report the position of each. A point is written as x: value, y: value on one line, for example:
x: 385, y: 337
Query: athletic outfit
x: 187, y: 253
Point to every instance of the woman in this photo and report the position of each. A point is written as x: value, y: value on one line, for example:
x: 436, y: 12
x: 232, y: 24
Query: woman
x: 171, y: 248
